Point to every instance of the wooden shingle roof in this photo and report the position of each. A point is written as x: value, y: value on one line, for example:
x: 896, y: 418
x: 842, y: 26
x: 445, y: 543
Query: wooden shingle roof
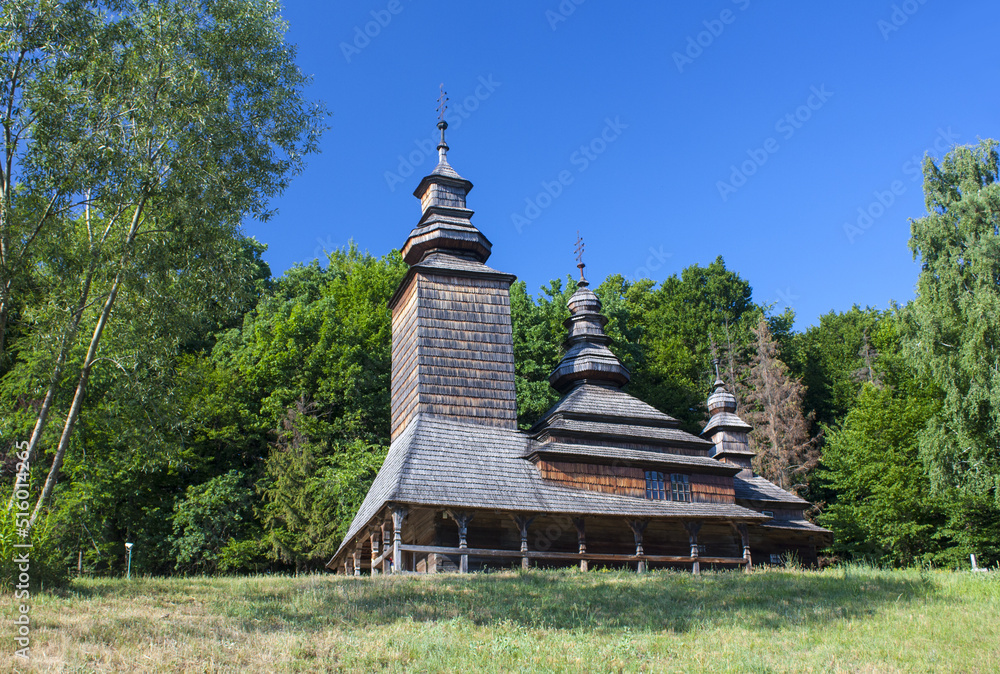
x: 451, y: 464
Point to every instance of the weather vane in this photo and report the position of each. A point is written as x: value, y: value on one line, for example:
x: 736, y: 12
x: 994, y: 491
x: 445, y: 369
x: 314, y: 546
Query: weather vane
x: 442, y: 104
x: 579, y: 254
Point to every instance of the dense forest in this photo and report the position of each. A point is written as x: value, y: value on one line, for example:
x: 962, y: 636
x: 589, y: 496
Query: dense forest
x: 167, y: 390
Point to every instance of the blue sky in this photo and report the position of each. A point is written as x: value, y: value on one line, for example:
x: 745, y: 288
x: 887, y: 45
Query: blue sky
x: 785, y: 138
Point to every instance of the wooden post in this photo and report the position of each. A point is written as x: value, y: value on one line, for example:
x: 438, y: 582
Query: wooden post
x: 356, y: 557
x: 581, y: 537
x: 373, y: 534
x: 693, y: 528
x: 462, y: 521
x: 523, y: 522
x: 398, y: 515
x: 744, y: 532
x: 385, y: 542
x: 638, y: 527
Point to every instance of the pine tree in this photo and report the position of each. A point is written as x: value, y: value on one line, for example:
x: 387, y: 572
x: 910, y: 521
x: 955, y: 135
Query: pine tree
x: 773, y: 406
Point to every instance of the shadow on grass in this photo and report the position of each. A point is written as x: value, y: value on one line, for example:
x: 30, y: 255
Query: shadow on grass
x: 561, y: 600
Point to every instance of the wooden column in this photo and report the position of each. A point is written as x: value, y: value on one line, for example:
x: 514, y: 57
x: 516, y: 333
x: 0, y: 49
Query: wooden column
x: 398, y: 515
x: 356, y: 557
x: 638, y: 527
x: 581, y: 538
x: 462, y: 521
x: 374, y: 534
x: 693, y: 528
x: 386, y: 526
x: 744, y: 532
x: 523, y: 522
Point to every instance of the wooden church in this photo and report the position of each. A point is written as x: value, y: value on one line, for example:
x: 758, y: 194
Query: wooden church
x: 602, y: 479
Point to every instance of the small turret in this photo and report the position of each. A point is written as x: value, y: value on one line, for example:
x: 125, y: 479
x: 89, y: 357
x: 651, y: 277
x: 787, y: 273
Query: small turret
x: 588, y: 357
x: 726, y: 430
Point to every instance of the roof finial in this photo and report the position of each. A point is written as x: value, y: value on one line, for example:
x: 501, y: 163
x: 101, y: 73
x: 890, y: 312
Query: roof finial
x: 715, y: 362
x: 442, y: 109
x: 579, y: 256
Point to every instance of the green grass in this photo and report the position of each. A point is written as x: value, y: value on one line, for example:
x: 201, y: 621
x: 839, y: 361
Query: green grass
x: 851, y: 619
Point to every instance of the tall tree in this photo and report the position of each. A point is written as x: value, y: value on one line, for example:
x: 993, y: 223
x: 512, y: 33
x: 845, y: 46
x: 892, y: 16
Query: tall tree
x: 772, y: 404
x: 173, y: 120
x: 953, y: 335
x: 881, y: 505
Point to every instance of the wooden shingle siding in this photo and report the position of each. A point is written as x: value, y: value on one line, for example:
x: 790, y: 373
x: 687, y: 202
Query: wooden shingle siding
x: 621, y: 480
x: 453, y: 351
x: 712, y: 489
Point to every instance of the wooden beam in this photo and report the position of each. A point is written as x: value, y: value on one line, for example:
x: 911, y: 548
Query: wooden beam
x: 592, y: 556
x: 693, y: 527
x: 398, y: 515
x: 744, y: 533
x: 384, y: 558
x: 356, y: 557
x: 374, y: 534
x: 462, y: 520
x: 523, y: 522
x: 638, y: 527
x: 581, y: 539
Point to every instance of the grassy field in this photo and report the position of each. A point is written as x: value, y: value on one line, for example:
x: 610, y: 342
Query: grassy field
x: 849, y: 619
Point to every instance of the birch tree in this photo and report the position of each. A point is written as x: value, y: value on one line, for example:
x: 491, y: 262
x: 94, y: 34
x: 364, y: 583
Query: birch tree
x: 154, y: 127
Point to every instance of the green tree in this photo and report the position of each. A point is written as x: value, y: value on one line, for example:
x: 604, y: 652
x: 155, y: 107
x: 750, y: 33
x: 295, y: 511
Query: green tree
x: 165, y: 123
x: 953, y: 337
x: 213, y: 516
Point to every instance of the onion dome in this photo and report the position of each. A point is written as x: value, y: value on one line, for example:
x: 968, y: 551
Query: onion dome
x: 588, y: 357
x: 445, y: 222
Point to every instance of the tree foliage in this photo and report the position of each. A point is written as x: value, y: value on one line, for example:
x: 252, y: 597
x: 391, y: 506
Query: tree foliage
x: 953, y: 335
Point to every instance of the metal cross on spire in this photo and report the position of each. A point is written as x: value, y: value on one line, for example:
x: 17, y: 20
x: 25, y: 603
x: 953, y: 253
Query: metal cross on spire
x: 579, y: 254
x: 442, y: 147
x: 442, y: 103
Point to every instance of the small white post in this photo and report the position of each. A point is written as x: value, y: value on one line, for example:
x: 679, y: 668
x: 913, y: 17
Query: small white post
x: 128, y: 548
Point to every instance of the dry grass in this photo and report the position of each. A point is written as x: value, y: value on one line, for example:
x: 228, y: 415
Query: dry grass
x: 850, y: 619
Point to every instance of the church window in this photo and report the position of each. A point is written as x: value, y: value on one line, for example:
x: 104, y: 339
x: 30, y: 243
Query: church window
x: 680, y: 489
x: 655, y: 487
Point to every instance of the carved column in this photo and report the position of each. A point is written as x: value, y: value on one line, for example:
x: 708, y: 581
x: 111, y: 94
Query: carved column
x: 523, y: 522
x: 356, y: 557
x: 638, y: 527
x: 398, y: 515
x: 581, y: 538
x: 744, y: 532
x: 373, y: 535
x: 462, y: 521
x: 693, y: 528
x: 386, y: 528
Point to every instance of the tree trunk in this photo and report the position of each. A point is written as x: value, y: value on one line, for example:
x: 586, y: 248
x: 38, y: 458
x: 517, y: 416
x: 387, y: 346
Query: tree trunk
x: 88, y: 364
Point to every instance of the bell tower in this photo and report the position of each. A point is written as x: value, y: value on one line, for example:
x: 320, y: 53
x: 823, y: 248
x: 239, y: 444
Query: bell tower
x: 452, y: 347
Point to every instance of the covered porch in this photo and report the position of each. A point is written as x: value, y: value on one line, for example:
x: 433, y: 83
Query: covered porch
x: 422, y: 539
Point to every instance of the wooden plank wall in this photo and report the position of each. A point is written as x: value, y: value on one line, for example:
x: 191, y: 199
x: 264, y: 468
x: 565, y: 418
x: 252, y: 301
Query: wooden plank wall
x: 631, y: 481
x: 712, y: 489
x: 453, y: 352
x: 622, y: 480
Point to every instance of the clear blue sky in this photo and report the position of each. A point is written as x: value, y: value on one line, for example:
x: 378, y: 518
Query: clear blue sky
x: 869, y: 88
